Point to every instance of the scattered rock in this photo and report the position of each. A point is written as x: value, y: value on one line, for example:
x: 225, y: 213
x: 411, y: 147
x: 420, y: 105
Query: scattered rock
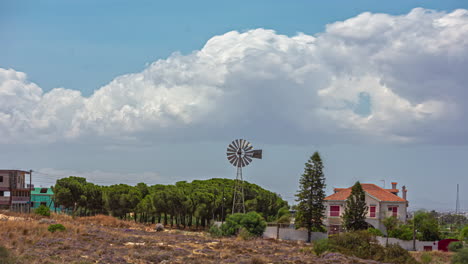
x: 132, y: 244
x: 47, y: 221
x: 159, y: 227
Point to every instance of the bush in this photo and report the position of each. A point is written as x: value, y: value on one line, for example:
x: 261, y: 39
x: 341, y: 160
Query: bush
x: 375, y: 232
x: 363, y: 245
x: 244, y: 234
x: 321, y: 246
x: 426, y: 258
x: 464, y: 234
x: 252, y: 222
x: 42, y: 210
x: 215, y: 231
x: 5, y: 257
x: 56, y: 227
x: 461, y: 257
x: 455, y: 246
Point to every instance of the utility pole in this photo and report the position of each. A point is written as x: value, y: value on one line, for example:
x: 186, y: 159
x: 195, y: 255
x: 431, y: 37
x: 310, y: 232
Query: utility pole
x: 30, y: 188
x: 414, y: 233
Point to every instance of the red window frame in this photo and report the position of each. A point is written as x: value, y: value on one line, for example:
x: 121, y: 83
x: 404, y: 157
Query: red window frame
x: 334, y: 210
x: 372, y: 211
x: 395, y: 211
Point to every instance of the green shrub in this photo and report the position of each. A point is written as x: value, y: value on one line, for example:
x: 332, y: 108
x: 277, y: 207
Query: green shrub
x: 215, y: 231
x: 5, y: 256
x: 464, y: 234
x: 396, y: 254
x: 252, y: 222
x: 42, y: 210
x: 321, y: 246
x: 56, y: 227
x: 245, y: 234
x: 455, y: 246
x: 426, y: 258
x: 364, y: 245
x: 375, y: 232
x: 461, y: 257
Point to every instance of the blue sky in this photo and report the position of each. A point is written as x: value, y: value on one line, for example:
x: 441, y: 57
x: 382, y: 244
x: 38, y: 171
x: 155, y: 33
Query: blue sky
x: 137, y: 119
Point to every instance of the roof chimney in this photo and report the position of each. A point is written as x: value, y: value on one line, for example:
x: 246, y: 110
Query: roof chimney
x: 403, y: 190
x: 394, y: 185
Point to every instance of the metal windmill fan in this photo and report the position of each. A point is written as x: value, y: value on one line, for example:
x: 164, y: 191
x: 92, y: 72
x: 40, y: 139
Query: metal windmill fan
x: 240, y: 154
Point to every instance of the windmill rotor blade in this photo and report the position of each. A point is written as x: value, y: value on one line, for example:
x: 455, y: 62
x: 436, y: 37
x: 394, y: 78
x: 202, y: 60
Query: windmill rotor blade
x: 257, y: 154
x: 246, y: 161
x: 230, y: 156
x: 237, y: 144
x: 231, y: 148
x: 241, y: 143
x: 249, y: 147
x: 234, y: 144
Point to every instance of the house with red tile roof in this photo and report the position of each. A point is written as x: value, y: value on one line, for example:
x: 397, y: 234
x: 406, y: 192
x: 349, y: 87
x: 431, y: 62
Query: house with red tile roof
x: 381, y: 203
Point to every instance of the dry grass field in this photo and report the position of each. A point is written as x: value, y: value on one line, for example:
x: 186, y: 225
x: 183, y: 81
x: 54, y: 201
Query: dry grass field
x: 104, y: 239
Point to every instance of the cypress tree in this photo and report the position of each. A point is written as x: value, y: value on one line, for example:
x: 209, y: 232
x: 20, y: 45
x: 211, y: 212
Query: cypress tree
x: 354, y: 217
x: 310, y: 208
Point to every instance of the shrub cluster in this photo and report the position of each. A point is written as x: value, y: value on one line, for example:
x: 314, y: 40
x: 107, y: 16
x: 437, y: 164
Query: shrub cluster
x: 42, y: 210
x: 363, y: 245
x: 455, y: 246
x: 5, y: 256
x: 56, y: 227
x: 251, y: 224
x: 461, y: 257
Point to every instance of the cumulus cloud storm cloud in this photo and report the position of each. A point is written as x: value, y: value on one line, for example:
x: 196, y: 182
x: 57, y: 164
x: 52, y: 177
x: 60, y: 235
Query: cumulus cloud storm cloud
x: 373, y: 76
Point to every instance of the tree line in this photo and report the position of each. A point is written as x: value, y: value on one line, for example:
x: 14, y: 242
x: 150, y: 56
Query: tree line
x: 183, y: 204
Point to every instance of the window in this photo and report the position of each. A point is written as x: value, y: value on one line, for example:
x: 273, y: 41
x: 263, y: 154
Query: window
x: 334, y: 210
x: 1, y: 178
x: 44, y: 203
x: 372, y: 211
x: 394, y: 210
x: 43, y: 190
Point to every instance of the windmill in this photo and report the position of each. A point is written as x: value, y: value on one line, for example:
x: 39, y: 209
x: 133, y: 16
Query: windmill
x: 240, y: 153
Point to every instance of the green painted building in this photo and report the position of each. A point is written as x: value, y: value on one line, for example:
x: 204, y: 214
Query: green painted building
x: 43, y: 196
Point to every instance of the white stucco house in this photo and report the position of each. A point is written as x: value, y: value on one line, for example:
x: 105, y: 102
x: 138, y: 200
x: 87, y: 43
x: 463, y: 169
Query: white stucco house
x: 381, y: 203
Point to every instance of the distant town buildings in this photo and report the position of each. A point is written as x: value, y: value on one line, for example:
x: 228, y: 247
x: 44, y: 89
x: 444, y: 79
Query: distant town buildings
x: 14, y: 194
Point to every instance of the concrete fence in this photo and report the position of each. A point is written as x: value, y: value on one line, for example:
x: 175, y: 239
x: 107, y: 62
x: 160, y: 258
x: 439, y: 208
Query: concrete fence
x: 291, y: 234
x: 408, y: 244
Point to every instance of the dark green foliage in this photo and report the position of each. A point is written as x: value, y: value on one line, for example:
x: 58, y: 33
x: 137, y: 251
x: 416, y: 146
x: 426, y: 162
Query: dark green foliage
x: 461, y: 257
x: 402, y: 231
x: 215, y: 231
x: 464, y: 234
x: 183, y: 204
x: 283, y: 217
x: 56, y: 227
x: 354, y: 216
x: 427, y: 226
x: 42, y: 210
x: 426, y: 258
x: 455, y: 246
x: 252, y: 222
x: 375, y: 232
x: 310, y: 197
x: 5, y: 256
x: 321, y: 246
x: 362, y: 244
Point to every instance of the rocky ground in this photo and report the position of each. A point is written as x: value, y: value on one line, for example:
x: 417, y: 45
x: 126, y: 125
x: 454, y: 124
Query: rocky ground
x: 104, y: 239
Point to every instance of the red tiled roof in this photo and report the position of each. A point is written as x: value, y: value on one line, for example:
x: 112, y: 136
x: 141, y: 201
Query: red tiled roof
x: 379, y: 193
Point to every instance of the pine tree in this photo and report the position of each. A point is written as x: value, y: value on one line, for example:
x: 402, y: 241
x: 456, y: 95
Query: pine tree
x: 354, y: 217
x: 311, y: 209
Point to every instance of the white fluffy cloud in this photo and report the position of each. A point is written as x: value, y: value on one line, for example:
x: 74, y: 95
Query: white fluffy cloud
x: 410, y: 69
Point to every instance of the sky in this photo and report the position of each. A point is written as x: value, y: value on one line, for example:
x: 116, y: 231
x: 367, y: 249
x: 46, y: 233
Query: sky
x: 154, y: 91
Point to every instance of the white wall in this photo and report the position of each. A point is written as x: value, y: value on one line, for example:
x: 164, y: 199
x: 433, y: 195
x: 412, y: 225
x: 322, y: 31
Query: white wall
x: 292, y: 234
x: 408, y: 244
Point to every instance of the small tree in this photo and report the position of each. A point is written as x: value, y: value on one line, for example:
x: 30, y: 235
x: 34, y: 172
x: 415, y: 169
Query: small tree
x: 310, y: 209
x: 355, y: 213
x: 390, y: 224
